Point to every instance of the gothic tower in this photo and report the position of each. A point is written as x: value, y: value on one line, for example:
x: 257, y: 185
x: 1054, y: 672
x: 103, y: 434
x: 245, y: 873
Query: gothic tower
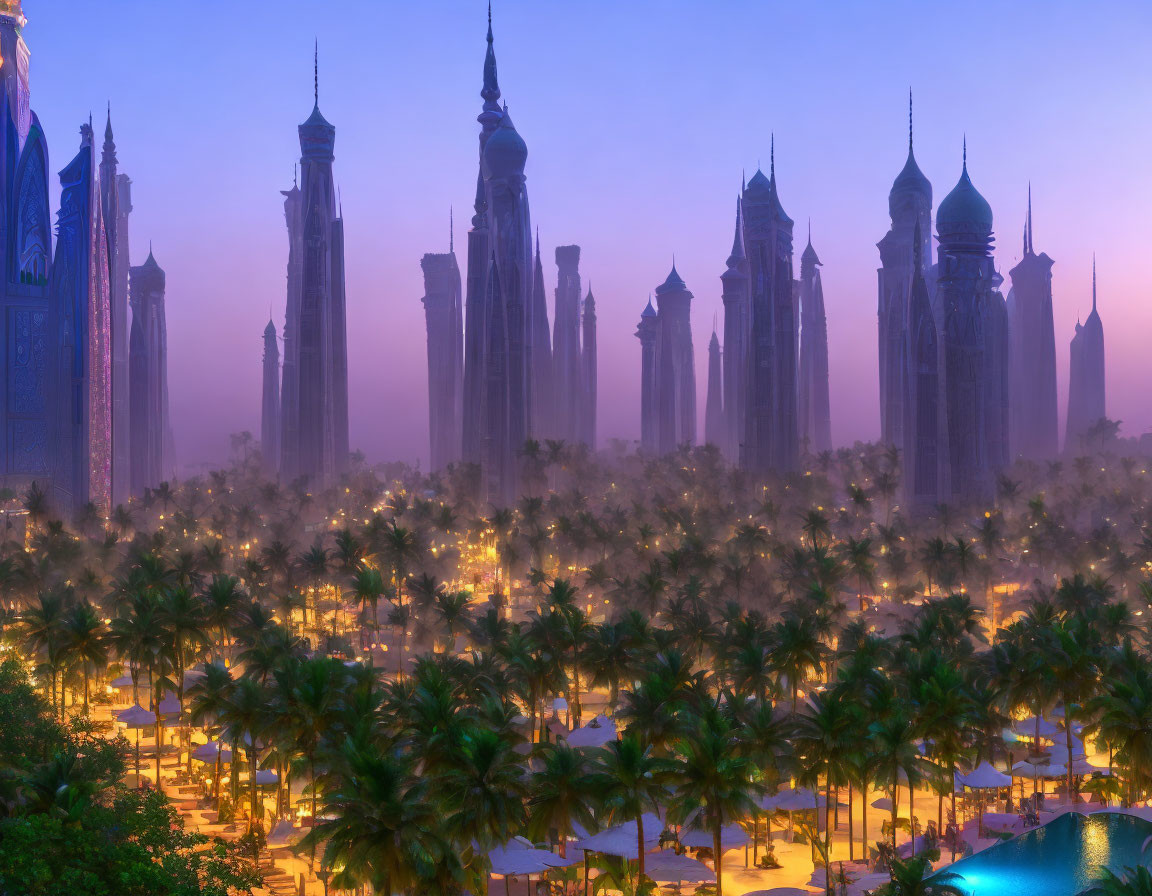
x: 714, y: 403
x: 647, y: 331
x: 566, y: 344
x: 151, y: 461
x: 1033, y: 356
x: 1085, y: 377
x: 737, y: 319
x: 443, y: 312
x: 675, y: 366
x: 116, y: 229
x: 270, y: 404
x: 814, y: 410
x: 771, y: 441
x: 922, y: 429
x: 588, y: 373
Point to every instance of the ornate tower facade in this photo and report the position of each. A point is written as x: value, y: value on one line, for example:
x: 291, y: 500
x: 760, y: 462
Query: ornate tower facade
x: 1033, y: 356
x: 567, y: 379
x: 909, y: 207
x: 1085, y: 377
x: 647, y: 331
x: 543, y: 408
x: 714, y: 403
x: 588, y: 373
x: 112, y: 191
x: 675, y: 366
x: 737, y: 326
x: 975, y: 345
x: 443, y: 316
x: 814, y: 405
x: 151, y: 462
x: 270, y: 403
x: 771, y: 439
x: 290, y: 372
x: 922, y: 430
x: 314, y: 444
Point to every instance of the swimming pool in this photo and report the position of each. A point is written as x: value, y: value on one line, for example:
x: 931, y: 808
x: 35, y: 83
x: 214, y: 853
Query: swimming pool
x: 1062, y: 858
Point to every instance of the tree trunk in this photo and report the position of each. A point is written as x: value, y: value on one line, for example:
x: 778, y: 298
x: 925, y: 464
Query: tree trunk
x: 851, y: 835
x: 718, y: 860
x: 639, y: 850
x: 912, y: 815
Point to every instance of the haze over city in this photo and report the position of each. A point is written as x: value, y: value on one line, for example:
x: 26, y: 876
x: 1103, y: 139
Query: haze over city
x: 639, y: 120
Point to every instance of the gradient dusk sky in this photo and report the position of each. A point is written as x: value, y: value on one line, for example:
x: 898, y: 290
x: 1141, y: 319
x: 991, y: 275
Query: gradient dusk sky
x: 639, y: 117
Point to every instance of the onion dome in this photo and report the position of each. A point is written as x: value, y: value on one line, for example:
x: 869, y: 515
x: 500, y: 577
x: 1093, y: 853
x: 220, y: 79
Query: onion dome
x: 964, y: 219
x: 505, y: 153
x: 672, y: 284
x: 911, y: 179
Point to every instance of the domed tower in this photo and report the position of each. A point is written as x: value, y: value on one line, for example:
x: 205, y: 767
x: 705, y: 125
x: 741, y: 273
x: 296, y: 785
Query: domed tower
x: 974, y: 343
x: 771, y: 438
x: 910, y: 210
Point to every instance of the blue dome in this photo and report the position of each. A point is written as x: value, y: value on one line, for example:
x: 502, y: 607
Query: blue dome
x: 964, y: 215
x: 505, y: 153
x: 911, y: 179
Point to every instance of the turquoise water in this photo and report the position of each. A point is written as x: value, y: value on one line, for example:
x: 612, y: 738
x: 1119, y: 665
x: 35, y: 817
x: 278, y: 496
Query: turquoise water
x: 1062, y: 858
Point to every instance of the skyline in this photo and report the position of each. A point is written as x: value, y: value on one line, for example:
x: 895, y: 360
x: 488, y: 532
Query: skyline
x: 583, y: 156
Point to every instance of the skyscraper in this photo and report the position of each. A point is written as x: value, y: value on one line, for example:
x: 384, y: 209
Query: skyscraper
x: 675, y: 366
x: 714, y: 403
x: 314, y: 444
x: 443, y: 316
x: 922, y: 430
x: 1085, y: 377
x: 647, y: 331
x: 567, y: 377
x: 1033, y: 355
x: 588, y: 373
x: 771, y: 441
x: 975, y: 345
x: 909, y: 207
x: 814, y: 407
x: 116, y: 203
x: 737, y: 324
x: 151, y: 450
x: 543, y: 409
x: 270, y: 404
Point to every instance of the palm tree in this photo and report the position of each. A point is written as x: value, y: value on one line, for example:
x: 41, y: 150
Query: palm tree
x: 223, y: 600
x: 1072, y: 671
x: 245, y: 717
x: 908, y: 877
x: 43, y: 625
x: 713, y: 781
x: 83, y: 642
x: 630, y: 781
x: 893, y: 744
x: 368, y: 588
x: 796, y: 650
x: 210, y: 697
x: 560, y: 794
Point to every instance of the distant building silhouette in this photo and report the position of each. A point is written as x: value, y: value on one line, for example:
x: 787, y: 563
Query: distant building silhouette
x: 714, y: 432
x: 270, y: 403
x: 648, y: 331
x: 1085, y: 377
x: 443, y: 315
x: 737, y: 327
x: 675, y: 366
x: 1035, y: 430
x: 814, y: 406
x: 588, y: 373
x: 152, y: 451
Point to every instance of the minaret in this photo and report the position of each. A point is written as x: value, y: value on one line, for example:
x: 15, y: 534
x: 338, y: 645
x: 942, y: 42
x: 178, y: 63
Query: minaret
x: 319, y: 341
x: 566, y: 344
x: 476, y: 337
x: 647, y: 331
x: 1033, y: 357
x: 922, y: 429
x: 975, y: 346
x: 675, y: 366
x: 588, y: 373
x: 116, y: 230
x: 737, y: 324
x: 909, y: 206
x: 814, y: 409
x: 270, y: 406
x: 1086, y: 405
x: 771, y: 441
x: 540, y: 342
x: 714, y: 405
x: 151, y: 462
x: 442, y: 316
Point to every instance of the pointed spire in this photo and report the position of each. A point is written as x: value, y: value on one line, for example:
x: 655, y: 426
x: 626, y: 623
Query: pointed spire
x: 1030, y: 249
x: 108, y: 126
x: 491, y: 89
x: 451, y: 232
x: 1093, y: 282
x: 316, y: 73
x: 965, y: 153
x: 909, y: 120
x: 738, y: 254
x: 772, y: 158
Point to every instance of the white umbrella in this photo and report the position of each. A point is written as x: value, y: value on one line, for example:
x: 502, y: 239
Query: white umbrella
x: 170, y: 706
x: 800, y: 799
x: 518, y: 860
x: 136, y: 716
x: 601, y: 730
x: 986, y: 777
x: 1025, y: 769
x: 1084, y: 767
x: 1027, y: 727
x: 731, y: 836
x: 621, y: 840
x: 207, y: 752
x: 265, y: 776
x: 124, y: 681
x: 668, y: 866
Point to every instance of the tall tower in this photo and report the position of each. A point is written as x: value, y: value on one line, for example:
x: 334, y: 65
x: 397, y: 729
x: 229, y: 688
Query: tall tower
x: 714, y: 404
x: 443, y: 315
x: 675, y: 366
x: 771, y: 441
x: 737, y: 326
x: 151, y: 461
x: 909, y: 207
x: 923, y: 430
x: 288, y: 459
x: 975, y: 345
x: 566, y: 344
x: 588, y: 373
x: 270, y: 405
x: 317, y: 446
x: 116, y: 229
x: 1085, y: 377
x: 647, y: 331
x: 1033, y: 355
x: 815, y: 412
x: 540, y: 352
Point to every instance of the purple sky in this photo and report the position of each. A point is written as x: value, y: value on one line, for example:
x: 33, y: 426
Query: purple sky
x: 639, y: 118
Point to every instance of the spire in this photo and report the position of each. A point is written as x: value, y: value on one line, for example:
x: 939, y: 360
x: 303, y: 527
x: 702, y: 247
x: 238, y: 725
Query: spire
x: 316, y: 73
x: 490, y: 93
x: 909, y: 120
x: 738, y: 255
x: 451, y: 232
x: 108, y: 126
x: 965, y: 153
x: 772, y: 158
x: 1093, y: 282
x: 1030, y: 249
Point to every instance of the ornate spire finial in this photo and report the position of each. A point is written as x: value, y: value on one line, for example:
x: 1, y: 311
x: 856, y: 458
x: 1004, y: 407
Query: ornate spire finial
x: 772, y: 157
x: 743, y: 181
x: 451, y: 231
x: 965, y: 153
x: 1030, y: 249
x: 316, y: 73
x: 909, y: 119
x: 1093, y: 281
